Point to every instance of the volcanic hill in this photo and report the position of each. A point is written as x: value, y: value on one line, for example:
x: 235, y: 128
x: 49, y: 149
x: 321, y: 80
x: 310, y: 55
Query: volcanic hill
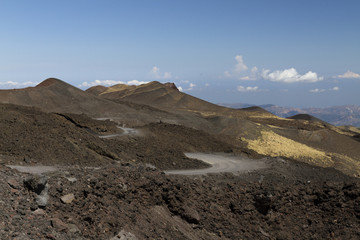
x: 251, y: 130
x: 303, y: 138
x: 95, y: 165
x: 54, y: 95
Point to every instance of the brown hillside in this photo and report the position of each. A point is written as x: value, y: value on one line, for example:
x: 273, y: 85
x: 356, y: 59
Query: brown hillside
x: 96, y: 90
x: 165, y: 96
x: 54, y: 95
x: 57, y: 96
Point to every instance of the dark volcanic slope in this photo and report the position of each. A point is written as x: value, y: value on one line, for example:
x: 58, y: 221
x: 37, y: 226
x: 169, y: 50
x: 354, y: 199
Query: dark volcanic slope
x: 71, y: 139
x: 28, y: 133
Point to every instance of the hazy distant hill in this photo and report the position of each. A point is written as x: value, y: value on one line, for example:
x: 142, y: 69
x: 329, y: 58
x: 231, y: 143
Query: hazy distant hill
x: 337, y: 115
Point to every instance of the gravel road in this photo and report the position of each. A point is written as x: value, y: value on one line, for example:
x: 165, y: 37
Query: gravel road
x: 126, y: 131
x: 221, y: 163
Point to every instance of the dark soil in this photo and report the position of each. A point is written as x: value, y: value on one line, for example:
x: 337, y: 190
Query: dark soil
x: 163, y: 145
x: 50, y: 138
x: 31, y: 136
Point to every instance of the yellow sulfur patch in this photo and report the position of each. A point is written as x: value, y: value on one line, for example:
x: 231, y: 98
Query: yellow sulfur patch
x: 274, y: 145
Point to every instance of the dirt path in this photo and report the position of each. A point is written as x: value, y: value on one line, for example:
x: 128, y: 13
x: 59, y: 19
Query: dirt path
x: 126, y: 132
x: 221, y: 163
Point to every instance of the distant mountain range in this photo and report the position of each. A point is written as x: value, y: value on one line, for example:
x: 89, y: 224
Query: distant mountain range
x: 337, y: 115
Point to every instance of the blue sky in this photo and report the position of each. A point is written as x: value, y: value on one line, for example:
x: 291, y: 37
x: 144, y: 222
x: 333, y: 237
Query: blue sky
x: 289, y: 53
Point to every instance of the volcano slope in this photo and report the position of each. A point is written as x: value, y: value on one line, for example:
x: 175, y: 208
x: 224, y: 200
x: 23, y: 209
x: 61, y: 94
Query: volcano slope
x: 99, y: 192
x: 29, y: 135
x: 251, y: 130
x: 302, y: 138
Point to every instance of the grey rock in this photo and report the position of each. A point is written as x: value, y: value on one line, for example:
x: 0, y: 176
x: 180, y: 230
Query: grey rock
x: 38, y: 185
x: 43, y: 198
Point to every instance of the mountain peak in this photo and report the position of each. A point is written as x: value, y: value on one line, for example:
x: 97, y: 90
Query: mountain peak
x: 49, y: 82
x: 171, y: 85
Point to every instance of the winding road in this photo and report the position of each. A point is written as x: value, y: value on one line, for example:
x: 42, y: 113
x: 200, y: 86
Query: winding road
x: 221, y: 163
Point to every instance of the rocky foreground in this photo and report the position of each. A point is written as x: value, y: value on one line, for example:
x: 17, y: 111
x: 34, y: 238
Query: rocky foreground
x: 133, y: 201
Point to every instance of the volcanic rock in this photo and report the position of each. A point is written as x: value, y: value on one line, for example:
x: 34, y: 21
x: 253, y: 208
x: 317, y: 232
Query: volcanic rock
x: 68, y: 198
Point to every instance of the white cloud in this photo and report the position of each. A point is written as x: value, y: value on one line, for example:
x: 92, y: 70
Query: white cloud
x: 101, y: 82
x: 253, y: 75
x: 240, y: 69
x: 227, y: 74
x: 240, y: 66
x: 109, y: 83
x: 247, y: 89
x: 12, y: 84
x: 242, y: 72
x: 167, y: 75
x: 180, y: 89
x: 349, y: 74
x: 184, y: 81
x: 290, y: 76
x: 335, y: 89
x: 246, y: 78
x: 191, y: 86
x: 155, y: 73
x: 136, y: 82
x: 317, y: 90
